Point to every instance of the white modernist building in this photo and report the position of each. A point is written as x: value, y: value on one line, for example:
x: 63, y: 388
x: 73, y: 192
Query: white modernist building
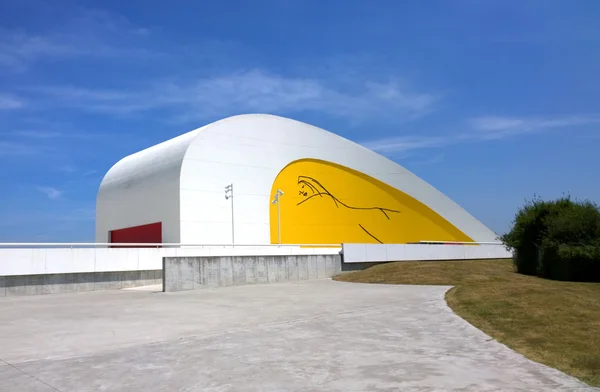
x: 331, y: 190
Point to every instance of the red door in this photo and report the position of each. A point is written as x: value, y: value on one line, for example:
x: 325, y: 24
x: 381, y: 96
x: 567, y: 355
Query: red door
x: 144, y: 234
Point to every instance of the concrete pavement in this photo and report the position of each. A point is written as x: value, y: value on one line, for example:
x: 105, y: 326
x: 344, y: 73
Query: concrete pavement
x: 306, y: 336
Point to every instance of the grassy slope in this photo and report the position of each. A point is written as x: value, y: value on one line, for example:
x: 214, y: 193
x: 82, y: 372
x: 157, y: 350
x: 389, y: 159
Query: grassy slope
x: 555, y: 323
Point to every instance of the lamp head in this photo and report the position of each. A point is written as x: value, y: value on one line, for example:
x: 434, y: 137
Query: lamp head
x: 278, y: 193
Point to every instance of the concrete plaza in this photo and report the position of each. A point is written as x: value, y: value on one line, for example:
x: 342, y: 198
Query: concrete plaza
x: 306, y: 336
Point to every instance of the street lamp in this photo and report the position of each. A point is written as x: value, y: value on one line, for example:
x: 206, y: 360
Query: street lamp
x: 229, y: 195
x: 276, y: 201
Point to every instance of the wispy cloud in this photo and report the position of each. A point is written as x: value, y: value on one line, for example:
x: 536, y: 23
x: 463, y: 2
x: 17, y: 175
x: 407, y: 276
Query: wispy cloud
x: 50, y: 192
x: 67, y: 168
x: 12, y: 149
x: 257, y: 91
x: 430, y: 160
x: 34, y: 134
x: 18, y: 48
x: 10, y: 102
x: 50, y: 219
x: 86, y: 33
x: 251, y: 91
x: 41, y: 134
x: 401, y: 144
x: 479, y: 129
x: 494, y: 127
x: 74, y: 94
x: 79, y: 214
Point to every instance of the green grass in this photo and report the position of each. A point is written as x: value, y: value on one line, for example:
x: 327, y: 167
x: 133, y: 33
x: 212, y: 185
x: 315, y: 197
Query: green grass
x: 551, y: 322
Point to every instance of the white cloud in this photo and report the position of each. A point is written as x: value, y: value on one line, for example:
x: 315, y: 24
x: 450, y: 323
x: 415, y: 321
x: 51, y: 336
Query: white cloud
x: 74, y: 94
x: 429, y: 160
x: 9, y: 102
x: 41, y: 134
x: 401, y: 144
x: 79, y: 214
x: 494, y: 127
x: 67, y: 168
x: 19, y: 49
x: 480, y: 129
x: 492, y: 123
x: 84, y: 33
x: 252, y: 91
x: 257, y: 91
x: 35, y: 134
x: 12, y: 149
x: 19, y: 46
x: 50, y: 192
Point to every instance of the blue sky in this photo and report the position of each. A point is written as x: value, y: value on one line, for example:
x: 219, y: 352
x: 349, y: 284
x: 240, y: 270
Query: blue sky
x: 489, y: 101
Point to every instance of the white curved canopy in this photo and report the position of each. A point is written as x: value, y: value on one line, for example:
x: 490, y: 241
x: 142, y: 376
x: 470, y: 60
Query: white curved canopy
x: 180, y: 182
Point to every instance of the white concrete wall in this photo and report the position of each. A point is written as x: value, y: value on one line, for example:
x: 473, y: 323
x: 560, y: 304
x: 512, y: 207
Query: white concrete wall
x: 143, y: 188
x: 58, y: 260
x: 360, y: 253
x: 249, y: 151
x: 181, y: 182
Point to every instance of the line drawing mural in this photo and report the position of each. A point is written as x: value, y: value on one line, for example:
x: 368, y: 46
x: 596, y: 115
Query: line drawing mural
x: 328, y: 203
x: 311, y: 188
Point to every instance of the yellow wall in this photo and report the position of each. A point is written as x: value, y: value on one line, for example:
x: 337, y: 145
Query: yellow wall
x: 325, y: 203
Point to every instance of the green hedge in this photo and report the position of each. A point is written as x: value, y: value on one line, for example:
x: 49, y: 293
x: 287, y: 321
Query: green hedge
x: 557, y: 239
x: 525, y: 259
x: 573, y: 263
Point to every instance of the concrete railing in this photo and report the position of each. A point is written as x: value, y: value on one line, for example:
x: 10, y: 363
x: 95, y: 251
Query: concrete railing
x: 152, y: 245
x: 38, y: 268
x: 27, y: 269
x: 373, y: 253
x: 22, y: 259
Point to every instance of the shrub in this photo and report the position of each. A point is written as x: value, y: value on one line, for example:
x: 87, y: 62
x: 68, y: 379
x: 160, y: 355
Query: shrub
x: 573, y: 224
x: 528, y: 232
x: 557, y: 239
x: 573, y: 263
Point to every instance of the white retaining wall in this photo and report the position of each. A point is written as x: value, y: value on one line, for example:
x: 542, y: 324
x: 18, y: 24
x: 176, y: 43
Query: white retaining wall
x: 361, y: 253
x: 34, y: 261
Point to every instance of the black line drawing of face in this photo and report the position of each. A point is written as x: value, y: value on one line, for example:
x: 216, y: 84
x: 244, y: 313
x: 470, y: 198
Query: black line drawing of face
x: 307, y: 188
x: 310, y: 188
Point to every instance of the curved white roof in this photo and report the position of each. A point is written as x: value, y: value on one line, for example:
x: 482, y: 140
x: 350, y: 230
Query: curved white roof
x: 151, y: 160
x: 167, y: 181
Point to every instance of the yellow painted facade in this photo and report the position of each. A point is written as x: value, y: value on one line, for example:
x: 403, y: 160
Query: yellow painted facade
x: 326, y: 203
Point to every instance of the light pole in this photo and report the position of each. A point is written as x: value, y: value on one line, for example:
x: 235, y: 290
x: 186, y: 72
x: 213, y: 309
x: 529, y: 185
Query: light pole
x: 229, y: 195
x: 276, y: 201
